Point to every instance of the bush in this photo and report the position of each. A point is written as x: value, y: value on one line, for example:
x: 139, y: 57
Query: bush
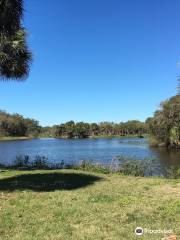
x: 153, y: 141
x: 87, y: 165
x: 21, y: 161
x: 40, y: 162
x: 133, y: 168
x: 175, y: 136
x: 173, y: 172
x: 144, y: 167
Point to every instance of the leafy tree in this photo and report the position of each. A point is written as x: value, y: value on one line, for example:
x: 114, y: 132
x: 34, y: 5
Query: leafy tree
x: 82, y: 130
x: 165, y: 125
x: 94, y: 129
x: 17, y: 125
x: 15, y: 56
x: 70, y: 129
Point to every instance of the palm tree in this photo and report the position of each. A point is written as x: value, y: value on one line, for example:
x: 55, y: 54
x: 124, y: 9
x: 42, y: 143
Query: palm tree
x: 11, y: 12
x: 15, y: 57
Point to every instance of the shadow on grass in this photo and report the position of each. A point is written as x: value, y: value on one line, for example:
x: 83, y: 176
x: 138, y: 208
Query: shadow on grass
x: 47, y: 182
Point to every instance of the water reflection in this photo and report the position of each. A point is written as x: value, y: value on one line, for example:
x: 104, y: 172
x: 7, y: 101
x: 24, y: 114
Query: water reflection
x: 167, y: 157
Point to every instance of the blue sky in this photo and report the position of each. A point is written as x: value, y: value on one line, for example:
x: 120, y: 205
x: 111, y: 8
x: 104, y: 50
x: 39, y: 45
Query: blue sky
x: 97, y: 60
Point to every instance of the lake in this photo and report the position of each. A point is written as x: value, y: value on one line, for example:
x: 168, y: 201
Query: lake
x: 100, y: 150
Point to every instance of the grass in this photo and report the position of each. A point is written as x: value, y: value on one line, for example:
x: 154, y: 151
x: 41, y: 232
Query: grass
x: 74, y: 204
x: 13, y: 138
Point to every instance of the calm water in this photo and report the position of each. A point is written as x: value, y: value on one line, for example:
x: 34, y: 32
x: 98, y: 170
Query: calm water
x: 101, y: 150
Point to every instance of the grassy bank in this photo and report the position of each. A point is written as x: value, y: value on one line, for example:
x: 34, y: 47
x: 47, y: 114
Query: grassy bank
x: 64, y: 137
x: 73, y: 204
x: 14, y: 138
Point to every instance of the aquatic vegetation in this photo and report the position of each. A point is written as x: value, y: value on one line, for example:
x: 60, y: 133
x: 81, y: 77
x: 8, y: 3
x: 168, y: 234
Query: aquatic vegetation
x: 130, y: 165
x: 173, y: 172
x: 124, y: 165
x: 21, y: 161
x: 25, y: 161
x: 87, y: 165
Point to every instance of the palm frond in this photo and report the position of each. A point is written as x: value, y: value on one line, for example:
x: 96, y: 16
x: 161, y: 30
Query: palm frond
x: 11, y: 12
x: 15, y: 57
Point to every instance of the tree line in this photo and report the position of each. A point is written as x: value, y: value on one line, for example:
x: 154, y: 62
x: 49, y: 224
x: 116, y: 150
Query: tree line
x: 164, y: 126
x: 15, y: 125
x: 83, y: 130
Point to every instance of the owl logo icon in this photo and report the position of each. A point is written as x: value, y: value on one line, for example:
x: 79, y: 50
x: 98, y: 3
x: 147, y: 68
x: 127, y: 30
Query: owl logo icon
x: 139, y: 231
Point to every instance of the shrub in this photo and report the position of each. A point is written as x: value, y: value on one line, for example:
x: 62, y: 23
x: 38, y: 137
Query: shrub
x: 153, y: 142
x: 87, y: 165
x: 40, y: 162
x: 173, y: 172
x: 21, y: 161
x: 134, y: 168
x: 175, y: 136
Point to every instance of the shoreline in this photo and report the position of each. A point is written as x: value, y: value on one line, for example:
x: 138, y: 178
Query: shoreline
x: 10, y: 138
x: 15, y: 138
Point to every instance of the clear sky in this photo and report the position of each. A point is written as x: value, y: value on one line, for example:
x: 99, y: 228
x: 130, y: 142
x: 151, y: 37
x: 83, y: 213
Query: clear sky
x: 97, y: 60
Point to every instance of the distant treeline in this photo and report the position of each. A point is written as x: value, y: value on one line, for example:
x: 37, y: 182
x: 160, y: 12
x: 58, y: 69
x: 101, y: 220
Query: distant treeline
x: 164, y: 126
x: 16, y: 125
x: 84, y: 130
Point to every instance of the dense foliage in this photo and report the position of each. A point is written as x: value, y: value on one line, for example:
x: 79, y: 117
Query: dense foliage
x: 15, y: 56
x: 83, y: 130
x: 165, y: 125
x: 17, y: 125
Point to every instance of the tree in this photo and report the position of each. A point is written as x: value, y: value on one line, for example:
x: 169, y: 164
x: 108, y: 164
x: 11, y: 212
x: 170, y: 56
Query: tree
x: 10, y: 16
x: 17, y: 125
x: 94, y: 129
x: 82, y: 130
x: 70, y: 129
x: 165, y: 125
x: 15, y: 56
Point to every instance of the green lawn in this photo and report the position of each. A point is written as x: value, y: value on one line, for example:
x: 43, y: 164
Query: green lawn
x: 76, y: 205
